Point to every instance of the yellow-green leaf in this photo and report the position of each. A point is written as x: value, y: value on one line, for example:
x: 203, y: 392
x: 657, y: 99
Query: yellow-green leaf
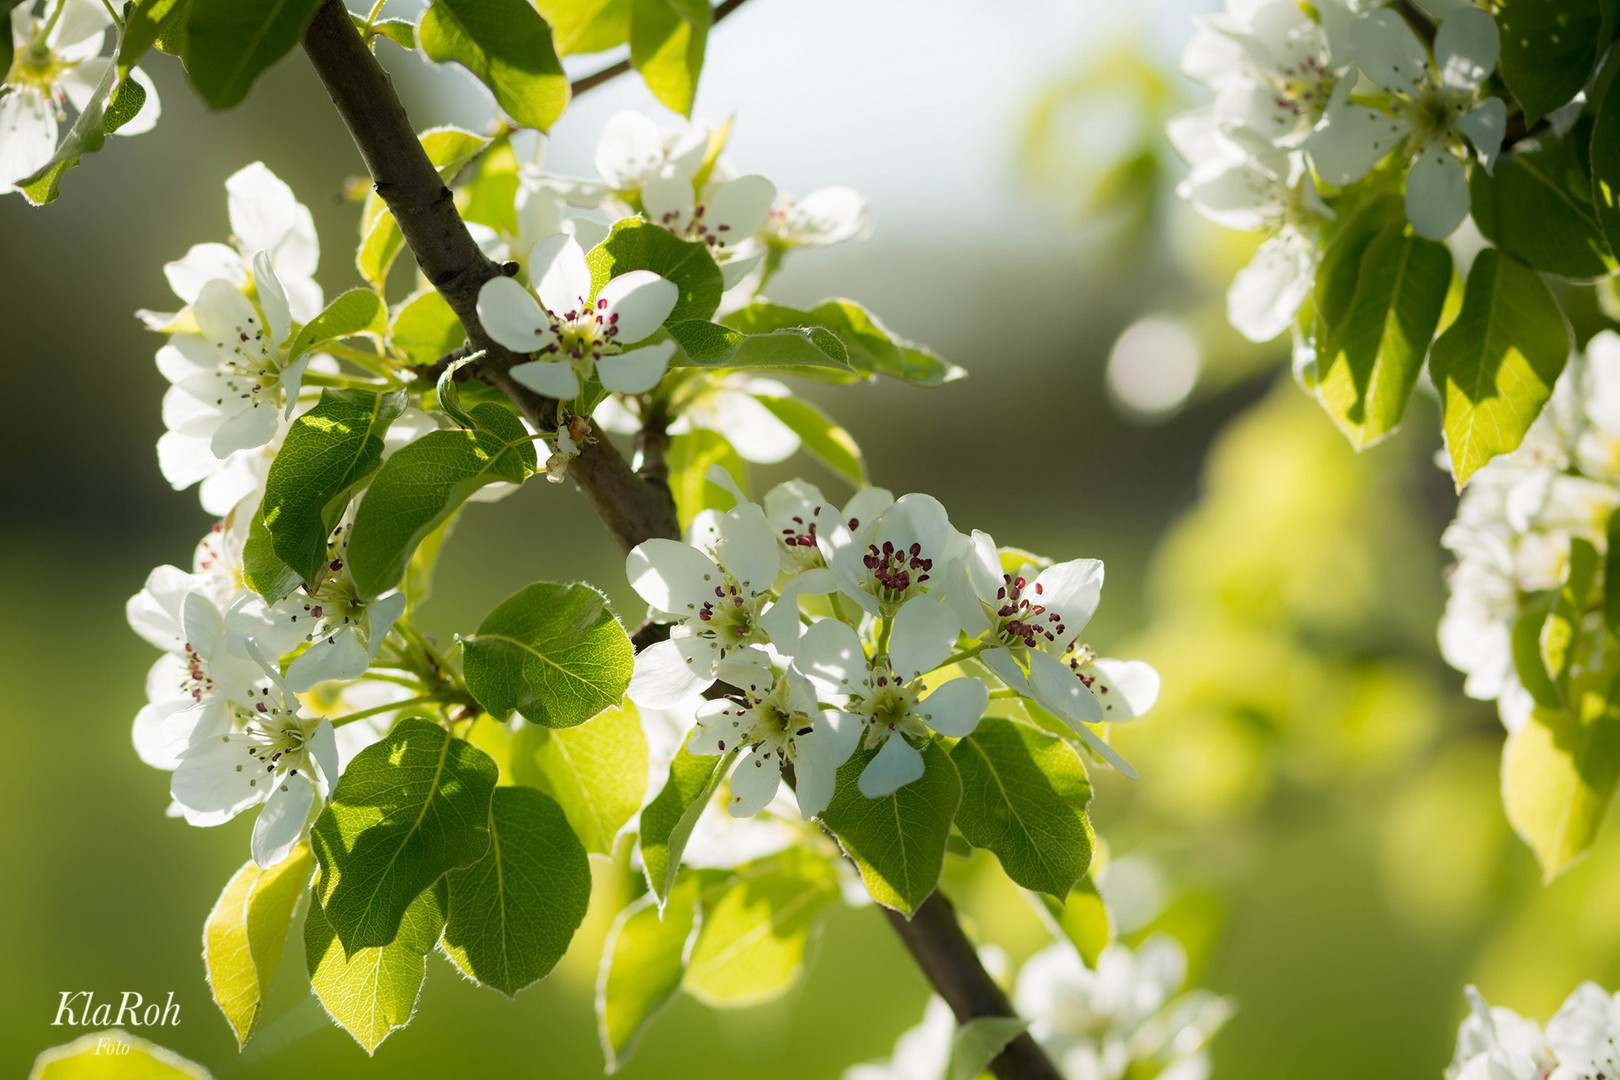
x: 244, y: 935
x: 1559, y: 772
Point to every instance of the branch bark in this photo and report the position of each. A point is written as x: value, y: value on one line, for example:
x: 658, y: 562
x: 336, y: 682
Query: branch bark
x: 613, y: 71
x: 634, y: 506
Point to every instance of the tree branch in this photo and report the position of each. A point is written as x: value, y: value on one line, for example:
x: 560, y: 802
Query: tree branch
x: 613, y: 71
x: 635, y: 507
x: 951, y: 963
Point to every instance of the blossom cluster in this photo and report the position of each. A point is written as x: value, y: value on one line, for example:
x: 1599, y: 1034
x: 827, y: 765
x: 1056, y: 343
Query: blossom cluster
x: 1310, y: 99
x: 877, y: 625
x: 1121, y: 1018
x: 1516, y: 522
x: 1580, y: 1042
x: 242, y: 703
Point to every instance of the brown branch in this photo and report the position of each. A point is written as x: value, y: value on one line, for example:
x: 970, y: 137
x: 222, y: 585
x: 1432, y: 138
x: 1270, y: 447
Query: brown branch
x: 613, y: 71
x: 951, y: 963
x: 635, y: 507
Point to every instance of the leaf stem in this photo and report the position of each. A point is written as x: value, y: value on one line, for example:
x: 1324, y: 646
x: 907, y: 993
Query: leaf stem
x: 613, y: 71
x: 392, y: 706
x: 966, y: 654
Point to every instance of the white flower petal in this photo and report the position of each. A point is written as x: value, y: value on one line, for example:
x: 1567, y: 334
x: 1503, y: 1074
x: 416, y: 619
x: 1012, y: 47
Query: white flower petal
x: 81, y: 26
x: 636, y: 371
x: 202, y: 264
x: 281, y: 822
x: 753, y: 783
x: 81, y: 81
x: 1389, y: 53
x: 272, y: 298
x: 955, y: 708
x: 1351, y: 139
x: 634, y: 305
x: 512, y: 316
x: 1466, y: 47
x: 1266, y: 294
x: 749, y: 426
x: 734, y: 211
x: 747, y: 547
x: 668, y: 201
x: 323, y: 748
x: 672, y: 671
x: 1485, y: 127
x: 733, y: 271
x: 210, y: 787
x: 552, y: 378
x: 674, y: 578
x: 252, y: 426
x: 27, y: 134
x: 340, y: 657
x: 1436, y: 194
x: 1060, y: 691
x: 895, y: 766
x: 562, y: 278
x: 1126, y: 688
x: 828, y: 216
x: 829, y: 653
x: 924, y: 631
x: 630, y: 150
x: 265, y: 214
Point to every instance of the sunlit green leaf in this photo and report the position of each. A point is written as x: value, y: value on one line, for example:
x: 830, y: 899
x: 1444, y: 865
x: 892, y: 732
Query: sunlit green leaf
x: 1536, y: 205
x: 643, y: 962
x: 667, y: 41
x: 230, y: 42
x: 668, y: 820
x: 555, y: 653
x: 636, y: 245
x: 597, y: 771
x: 508, y: 46
x: 1549, y: 48
x: 407, y: 809
x: 1559, y: 772
x: 244, y: 935
x: 513, y: 913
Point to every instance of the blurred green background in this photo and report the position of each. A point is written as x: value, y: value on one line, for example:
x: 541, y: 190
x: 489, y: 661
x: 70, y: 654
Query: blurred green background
x: 1318, y: 820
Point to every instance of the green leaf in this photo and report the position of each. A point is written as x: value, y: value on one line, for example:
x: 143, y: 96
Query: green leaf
x: 1083, y: 919
x: 1527, y: 659
x: 637, y: 245
x: 89, y: 1058
x: 898, y: 841
x: 643, y: 962
x: 689, y: 458
x: 508, y: 46
x: 824, y: 438
x: 230, y: 42
x: 491, y: 195
x: 870, y: 347
x: 1559, y: 772
x: 586, y: 26
x: 756, y: 926
x: 358, y: 311
x: 1495, y: 365
x: 597, y: 771
x: 668, y: 820
x: 1024, y: 796
x: 1340, y: 268
x: 424, y: 327
x: 380, y: 244
x: 1561, y: 633
x: 370, y: 992
x: 244, y: 935
x: 513, y: 913
x: 1605, y: 154
x: 418, y: 583
x: 667, y: 39
x: 1373, y: 357
x: 423, y: 483
x: 1537, y: 207
x: 401, y: 32
x: 977, y: 1042
x: 1549, y: 50
x: 711, y: 345
x: 407, y: 809
x: 329, y: 453
x: 450, y: 148
x: 144, y: 22
x: 1611, y: 575
x: 262, y: 569
x: 555, y: 653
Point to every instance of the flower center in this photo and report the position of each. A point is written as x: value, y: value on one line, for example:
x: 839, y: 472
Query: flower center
x: 36, y: 65
x: 277, y: 737
x: 1304, y: 89
x: 335, y: 603
x: 731, y: 617
x: 769, y: 723
x: 799, y: 537
x: 1433, y: 116
x: 891, y: 706
x: 695, y: 227
x: 1020, y: 618
x: 252, y: 365
x: 894, y: 575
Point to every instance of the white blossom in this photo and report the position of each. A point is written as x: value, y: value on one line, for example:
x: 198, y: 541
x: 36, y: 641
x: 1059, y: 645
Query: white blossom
x: 1497, y: 1044
x: 56, y: 61
x: 586, y: 335
x: 822, y: 218
x: 776, y: 723
x: 725, y: 403
x: 1435, y: 113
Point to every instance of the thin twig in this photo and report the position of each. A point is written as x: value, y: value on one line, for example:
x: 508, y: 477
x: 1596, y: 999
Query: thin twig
x: 613, y: 71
